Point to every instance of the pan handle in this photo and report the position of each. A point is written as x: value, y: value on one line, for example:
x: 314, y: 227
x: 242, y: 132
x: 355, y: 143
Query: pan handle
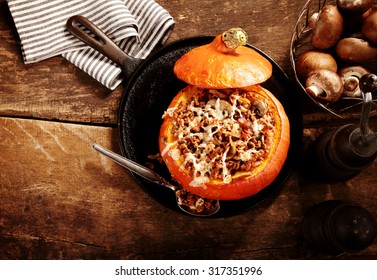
x: 102, y: 43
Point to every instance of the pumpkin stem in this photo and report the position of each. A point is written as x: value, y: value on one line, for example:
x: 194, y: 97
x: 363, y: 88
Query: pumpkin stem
x: 234, y: 38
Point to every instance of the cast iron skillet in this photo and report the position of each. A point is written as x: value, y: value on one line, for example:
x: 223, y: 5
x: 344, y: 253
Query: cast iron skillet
x: 149, y: 93
x: 151, y: 87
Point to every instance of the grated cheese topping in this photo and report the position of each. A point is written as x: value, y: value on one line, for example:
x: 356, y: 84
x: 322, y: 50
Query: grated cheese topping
x: 220, y: 134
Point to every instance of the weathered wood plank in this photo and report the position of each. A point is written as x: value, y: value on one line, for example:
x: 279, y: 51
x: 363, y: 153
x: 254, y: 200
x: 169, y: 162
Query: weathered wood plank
x: 51, y: 89
x: 62, y: 200
x: 54, y: 89
x: 59, y: 199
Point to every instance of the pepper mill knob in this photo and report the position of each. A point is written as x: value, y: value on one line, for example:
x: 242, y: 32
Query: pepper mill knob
x: 368, y: 83
x: 336, y: 226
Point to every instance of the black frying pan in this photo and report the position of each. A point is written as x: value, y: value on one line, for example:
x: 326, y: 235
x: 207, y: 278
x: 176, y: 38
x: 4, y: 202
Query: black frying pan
x: 149, y: 92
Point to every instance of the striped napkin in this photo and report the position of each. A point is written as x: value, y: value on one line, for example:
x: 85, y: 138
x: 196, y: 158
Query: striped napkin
x: 137, y: 26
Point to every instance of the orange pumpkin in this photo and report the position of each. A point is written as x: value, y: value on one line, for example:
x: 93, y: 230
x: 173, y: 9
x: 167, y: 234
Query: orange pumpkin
x: 223, y: 136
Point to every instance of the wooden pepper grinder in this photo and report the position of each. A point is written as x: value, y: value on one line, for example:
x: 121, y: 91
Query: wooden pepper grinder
x: 336, y: 226
x: 340, y: 154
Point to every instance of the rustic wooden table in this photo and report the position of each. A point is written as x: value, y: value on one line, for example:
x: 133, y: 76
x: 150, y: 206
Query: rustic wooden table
x: 61, y: 200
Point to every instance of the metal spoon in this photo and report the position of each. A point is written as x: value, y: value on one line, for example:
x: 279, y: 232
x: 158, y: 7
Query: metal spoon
x: 155, y: 178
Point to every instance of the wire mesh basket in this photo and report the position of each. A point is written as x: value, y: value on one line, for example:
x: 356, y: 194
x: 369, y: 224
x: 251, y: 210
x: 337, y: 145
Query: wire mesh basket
x: 301, y: 42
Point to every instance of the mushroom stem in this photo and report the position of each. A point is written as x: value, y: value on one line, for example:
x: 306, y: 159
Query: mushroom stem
x: 351, y: 83
x: 351, y: 77
x: 312, y: 20
x: 324, y: 85
x: 315, y: 90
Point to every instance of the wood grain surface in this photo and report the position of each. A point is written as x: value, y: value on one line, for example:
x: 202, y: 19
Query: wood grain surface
x: 59, y: 199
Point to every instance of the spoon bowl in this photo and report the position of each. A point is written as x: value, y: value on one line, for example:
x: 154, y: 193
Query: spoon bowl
x: 188, y: 203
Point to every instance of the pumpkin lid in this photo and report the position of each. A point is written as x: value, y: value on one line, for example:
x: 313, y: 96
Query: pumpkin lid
x: 224, y: 63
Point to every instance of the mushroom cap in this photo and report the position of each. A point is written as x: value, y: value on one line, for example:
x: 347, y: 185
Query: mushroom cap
x: 313, y: 60
x: 324, y: 85
x: 369, y: 28
x: 355, y: 50
x: 217, y: 66
x: 328, y: 28
x: 353, y: 23
x: 354, y: 6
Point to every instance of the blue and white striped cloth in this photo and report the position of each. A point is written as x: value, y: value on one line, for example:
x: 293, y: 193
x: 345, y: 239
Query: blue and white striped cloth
x: 137, y: 26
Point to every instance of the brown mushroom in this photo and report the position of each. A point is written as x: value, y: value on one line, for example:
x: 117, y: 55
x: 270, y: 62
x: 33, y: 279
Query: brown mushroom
x: 355, y: 50
x: 232, y: 149
x: 353, y: 23
x: 369, y: 28
x: 324, y: 85
x: 260, y: 106
x: 328, y: 28
x: 350, y: 77
x: 314, y: 60
x: 354, y: 6
x: 223, y: 108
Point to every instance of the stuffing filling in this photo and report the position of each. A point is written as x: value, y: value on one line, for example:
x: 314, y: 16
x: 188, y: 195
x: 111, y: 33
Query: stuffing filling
x: 221, y: 134
x: 194, y: 203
